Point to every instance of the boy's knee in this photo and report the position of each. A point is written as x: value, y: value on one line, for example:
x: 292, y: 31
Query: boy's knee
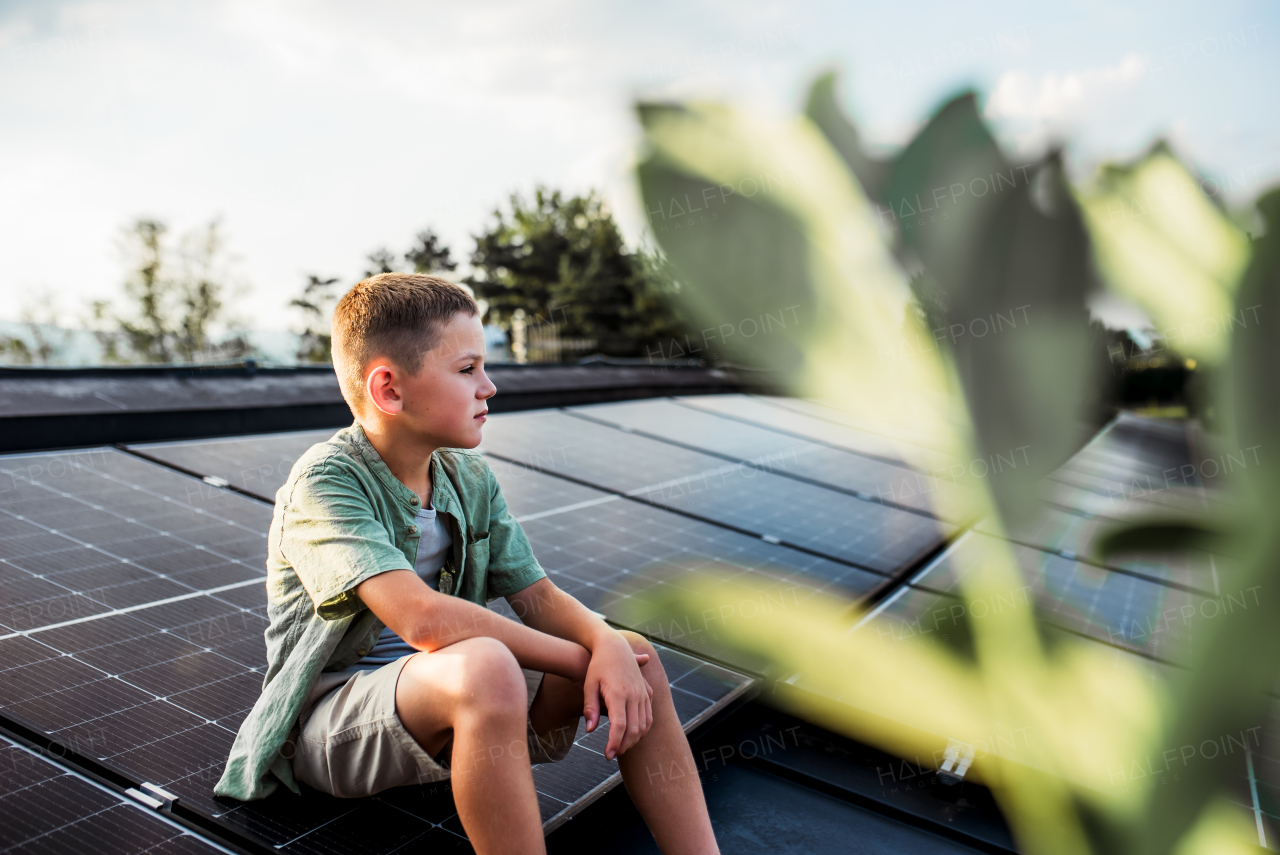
x: 639, y: 643
x: 652, y: 670
x: 492, y: 676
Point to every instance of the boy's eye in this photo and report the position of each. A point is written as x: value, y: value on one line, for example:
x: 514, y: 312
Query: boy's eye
x: 470, y: 369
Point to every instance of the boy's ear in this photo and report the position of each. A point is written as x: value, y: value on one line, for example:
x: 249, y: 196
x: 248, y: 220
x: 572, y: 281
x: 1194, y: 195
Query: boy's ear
x: 381, y: 387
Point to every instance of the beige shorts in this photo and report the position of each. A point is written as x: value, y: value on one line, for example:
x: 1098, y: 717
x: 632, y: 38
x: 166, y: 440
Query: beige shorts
x: 352, y: 743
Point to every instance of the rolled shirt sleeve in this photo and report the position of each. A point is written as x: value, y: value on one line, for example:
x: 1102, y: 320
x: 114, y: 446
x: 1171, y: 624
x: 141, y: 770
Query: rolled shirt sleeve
x: 333, y: 540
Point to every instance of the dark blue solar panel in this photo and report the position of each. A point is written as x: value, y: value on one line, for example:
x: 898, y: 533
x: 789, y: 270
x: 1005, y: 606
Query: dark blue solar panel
x: 45, y: 808
x: 835, y: 524
x: 777, y: 452
x: 136, y: 638
x: 257, y: 464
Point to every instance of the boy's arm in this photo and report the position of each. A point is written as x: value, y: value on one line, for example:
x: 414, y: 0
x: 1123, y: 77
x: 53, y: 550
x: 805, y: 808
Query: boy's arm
x: 428, y: 620
x: 613, y: 677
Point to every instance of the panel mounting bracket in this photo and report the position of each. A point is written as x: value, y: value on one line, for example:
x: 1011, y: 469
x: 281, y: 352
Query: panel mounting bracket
x: 144, y: 799
x: 153, y: 797
x: 956, y: 762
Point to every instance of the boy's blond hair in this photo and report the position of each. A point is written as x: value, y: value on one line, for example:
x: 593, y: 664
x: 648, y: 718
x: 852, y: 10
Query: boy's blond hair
x: 397, y: 315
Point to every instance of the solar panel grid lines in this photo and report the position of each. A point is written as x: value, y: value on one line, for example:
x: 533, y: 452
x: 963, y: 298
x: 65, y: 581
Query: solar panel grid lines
x: 607, y: 566
x: 1117, y: 608
x: 864, y: 534
x: 699, y: 689
x: 862, y: 424
x: 91, y: 555
x: 156, y: 691
x: 1152, y: 607
x: 45, y: 807
x: 806, y: 462
x: 563, y: 788
x: 759, y: 411
x: 257, y: 468
x: 534, y: 495
x: 105, y: 691
x: 1071, y: 534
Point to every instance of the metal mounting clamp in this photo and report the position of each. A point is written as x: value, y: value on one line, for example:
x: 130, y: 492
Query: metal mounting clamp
x: 956, y: 762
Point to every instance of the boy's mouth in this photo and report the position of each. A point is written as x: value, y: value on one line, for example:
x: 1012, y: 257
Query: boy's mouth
x: 480, y: 417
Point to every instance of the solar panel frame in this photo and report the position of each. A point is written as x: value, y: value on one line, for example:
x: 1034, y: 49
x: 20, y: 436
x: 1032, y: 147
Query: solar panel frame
x: 763, y: 412
x: 755, y: 502
x: 145, y: 689
x: 734, y: 440
x: 45, y: 807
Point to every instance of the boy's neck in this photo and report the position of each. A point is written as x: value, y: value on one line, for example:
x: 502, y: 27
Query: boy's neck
x: 408, y: 457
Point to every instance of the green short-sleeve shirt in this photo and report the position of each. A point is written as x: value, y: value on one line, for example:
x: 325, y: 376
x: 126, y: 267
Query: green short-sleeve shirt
x: 339, y: 519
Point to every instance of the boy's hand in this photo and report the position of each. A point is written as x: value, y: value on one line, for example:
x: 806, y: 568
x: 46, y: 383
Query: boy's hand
x: 614, y: 678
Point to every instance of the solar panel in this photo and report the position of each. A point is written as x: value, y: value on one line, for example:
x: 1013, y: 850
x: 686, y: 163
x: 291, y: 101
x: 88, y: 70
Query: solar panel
x: 927, y: 618
x: 877, y: 537
x: 770, y: 413
x: 1118, y: 608
x: 589, y: 550
x: 1071, y: 534
x: 94, y: 532
x: 257, y: 464
x: 837, y: 525
x: 156, y: 689
x: 867, y: 477
x: 865, y: 424
x: 45, y: 808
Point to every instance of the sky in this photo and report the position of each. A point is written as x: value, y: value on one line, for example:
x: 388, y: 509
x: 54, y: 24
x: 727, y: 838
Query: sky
x: 317, y: 132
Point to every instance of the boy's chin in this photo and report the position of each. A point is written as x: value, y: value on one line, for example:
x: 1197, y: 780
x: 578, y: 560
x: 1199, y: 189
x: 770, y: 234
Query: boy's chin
x: 470, y: 439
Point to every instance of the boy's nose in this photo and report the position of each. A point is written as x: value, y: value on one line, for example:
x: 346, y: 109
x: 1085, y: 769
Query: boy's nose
x: 487, y: 389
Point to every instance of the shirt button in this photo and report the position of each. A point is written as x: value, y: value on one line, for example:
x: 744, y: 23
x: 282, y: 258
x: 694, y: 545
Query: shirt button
x: 414, y: 500
x: 413, y: 529
x: 361, y: 652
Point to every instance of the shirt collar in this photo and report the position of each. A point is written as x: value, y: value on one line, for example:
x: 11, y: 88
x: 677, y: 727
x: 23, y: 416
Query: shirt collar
x: 443, y: 497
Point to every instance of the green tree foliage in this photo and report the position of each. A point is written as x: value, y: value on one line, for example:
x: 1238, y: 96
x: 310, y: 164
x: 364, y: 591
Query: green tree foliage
x: 317, y: 301
x: 14, y: 351
x: 173, y: 298
x: 564, y: 261
x: 382, y: 260
x: 429, y: 254
x: 44, y: 340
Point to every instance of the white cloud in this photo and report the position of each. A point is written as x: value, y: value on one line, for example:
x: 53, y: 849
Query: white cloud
x: 1053, y: 103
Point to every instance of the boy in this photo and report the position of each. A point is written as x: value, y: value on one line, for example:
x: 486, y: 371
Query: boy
x: 385, y: 667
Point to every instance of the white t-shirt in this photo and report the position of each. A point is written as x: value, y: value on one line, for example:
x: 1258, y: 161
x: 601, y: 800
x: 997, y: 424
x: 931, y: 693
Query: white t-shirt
x: 433, y: 546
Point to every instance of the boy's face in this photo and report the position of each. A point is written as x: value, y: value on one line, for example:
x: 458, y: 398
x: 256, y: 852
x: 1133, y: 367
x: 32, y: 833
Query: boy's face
x: 444, y: 403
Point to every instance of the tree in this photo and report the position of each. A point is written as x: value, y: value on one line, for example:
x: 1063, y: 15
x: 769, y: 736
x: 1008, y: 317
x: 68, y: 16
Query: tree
x: 429, y: 255
x: 44, y: 340
x: 315, y: 342
x: 175, y: 298
x: 382, y: 260
x: 564, y: 261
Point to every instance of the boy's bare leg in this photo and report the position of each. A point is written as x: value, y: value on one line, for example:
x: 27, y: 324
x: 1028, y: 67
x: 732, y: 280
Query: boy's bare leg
x: 658, y: 771
x: 475, y: 690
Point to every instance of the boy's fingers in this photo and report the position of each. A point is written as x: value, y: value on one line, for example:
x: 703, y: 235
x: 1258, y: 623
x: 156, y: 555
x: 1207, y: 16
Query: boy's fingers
x: 591, y: 707
x: 635, y: 721
x: 642, y: 658
x: 617, y: 729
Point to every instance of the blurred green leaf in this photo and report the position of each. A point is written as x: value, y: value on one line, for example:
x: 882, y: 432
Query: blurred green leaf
x: 1162, y: 534
x: 823, y: 108
x: 1160, y: 242
x: 1006, y: 248
x: 779, y: 242
x: 813, y: 241
x: 1228, y: 684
